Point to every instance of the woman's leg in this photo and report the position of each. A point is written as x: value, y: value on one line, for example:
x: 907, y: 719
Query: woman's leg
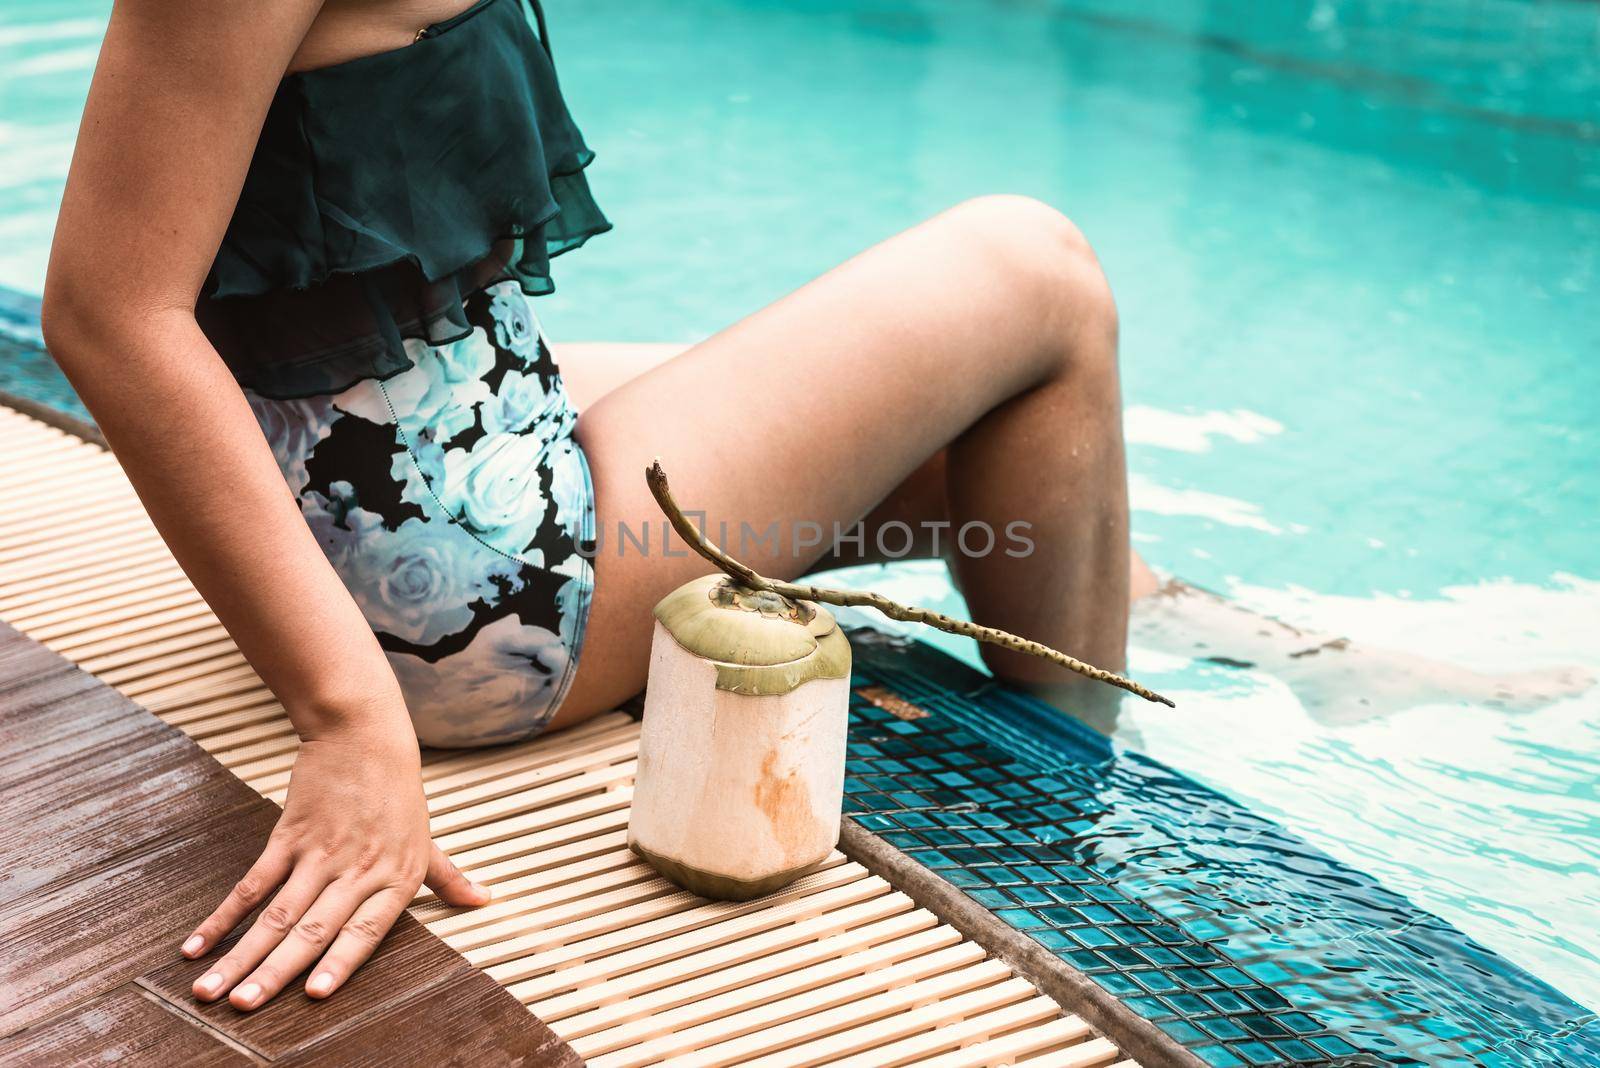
x: 591, y: 369
x: 1337, y: 681
x: 922, y: 503
x: 989, y: 330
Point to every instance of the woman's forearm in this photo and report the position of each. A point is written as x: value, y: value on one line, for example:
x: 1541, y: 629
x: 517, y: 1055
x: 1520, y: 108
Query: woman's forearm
x: 179, y: 97
x: 184, y: 433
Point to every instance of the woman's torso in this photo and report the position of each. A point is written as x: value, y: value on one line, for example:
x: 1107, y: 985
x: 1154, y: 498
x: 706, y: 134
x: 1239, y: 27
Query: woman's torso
x: 387, y: 186
x: 371, y: 294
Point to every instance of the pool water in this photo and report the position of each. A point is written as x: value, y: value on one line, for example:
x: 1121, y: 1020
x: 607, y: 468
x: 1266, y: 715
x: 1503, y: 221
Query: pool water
x: 1356, y: 248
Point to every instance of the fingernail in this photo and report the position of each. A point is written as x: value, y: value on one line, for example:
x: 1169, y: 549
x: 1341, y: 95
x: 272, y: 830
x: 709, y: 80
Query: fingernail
x: 484, y: 890
x: 320, y: 983
x: 194, y: 945
x: 209, y: 984
x: 248, y: 993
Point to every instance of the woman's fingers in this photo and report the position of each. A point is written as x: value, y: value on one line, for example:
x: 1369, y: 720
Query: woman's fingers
x: 270, y: 869
x: 313, y: 915
x: 357, y: 938
x: 446, y: 880
x: 275, y: 921
x: 301, y: 944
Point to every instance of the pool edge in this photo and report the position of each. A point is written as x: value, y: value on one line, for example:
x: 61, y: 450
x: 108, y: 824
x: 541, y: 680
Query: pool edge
x: 1074, y: 991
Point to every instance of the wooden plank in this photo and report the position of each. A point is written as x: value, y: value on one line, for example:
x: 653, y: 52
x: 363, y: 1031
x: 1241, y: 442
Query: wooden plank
x: 86, y: 809
x: 464, y: 1020
x: 87, y: 777
x: 122, y: 834
x: 529, y: 898
x: 631, y: 924
x: 893, y: 1024
x: 127, y: 659
x: 762, y: 981
x: 740, y: 1038
x: 153, y: 630
x: 53, y: 589
x: 1032, y: 1040
x: 521, y: 856
x: 118, y: 842
x: 1094, y: 1053
x: 529, y: 800
x: 1070, y: 988
x: 135, y: 596
x: 944, y: 1035
x: 508, y: 838
x: 665, y: 974
x: 131, y: 629
x: 125, y: 1026
x: 29, y: 688
x: 707, y: 925
x: 94, y: 928
x: 408, y: 962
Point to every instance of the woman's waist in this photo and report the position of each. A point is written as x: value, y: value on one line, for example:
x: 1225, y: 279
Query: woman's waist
x: 300, y: 343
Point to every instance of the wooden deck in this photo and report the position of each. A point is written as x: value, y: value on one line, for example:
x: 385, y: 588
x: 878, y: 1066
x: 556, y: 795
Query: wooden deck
x: 121, y: 835
x: 842, y: 967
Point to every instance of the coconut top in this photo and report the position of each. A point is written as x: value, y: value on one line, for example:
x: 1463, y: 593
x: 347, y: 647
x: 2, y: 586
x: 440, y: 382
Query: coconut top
x: 762, y: 643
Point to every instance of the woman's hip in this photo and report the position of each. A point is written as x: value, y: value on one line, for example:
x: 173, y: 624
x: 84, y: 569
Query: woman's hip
x: 455, y: 505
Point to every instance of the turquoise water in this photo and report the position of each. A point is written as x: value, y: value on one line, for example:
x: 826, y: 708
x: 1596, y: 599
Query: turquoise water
x: 1230, y: 934
x: 1356, y: 249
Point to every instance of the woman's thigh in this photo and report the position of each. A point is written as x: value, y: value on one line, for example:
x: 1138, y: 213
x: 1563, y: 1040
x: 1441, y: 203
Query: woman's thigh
x: 591, y: 369
x: 810, y: 412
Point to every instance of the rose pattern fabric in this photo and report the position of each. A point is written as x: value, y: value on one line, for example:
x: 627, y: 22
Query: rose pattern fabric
x: 493, y: 490
x: 293, y: 427
x: 452, y: 500
x: 507, y: 665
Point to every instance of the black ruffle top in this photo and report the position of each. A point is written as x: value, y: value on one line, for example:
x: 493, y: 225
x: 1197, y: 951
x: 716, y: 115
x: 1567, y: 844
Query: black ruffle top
x: 386, y: 189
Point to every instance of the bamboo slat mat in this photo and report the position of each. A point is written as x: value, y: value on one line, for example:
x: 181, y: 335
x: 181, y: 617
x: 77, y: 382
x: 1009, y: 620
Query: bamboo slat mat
x: 840, y: 968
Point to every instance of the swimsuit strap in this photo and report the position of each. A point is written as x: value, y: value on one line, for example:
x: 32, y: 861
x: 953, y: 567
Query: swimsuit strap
x: 544, y: 31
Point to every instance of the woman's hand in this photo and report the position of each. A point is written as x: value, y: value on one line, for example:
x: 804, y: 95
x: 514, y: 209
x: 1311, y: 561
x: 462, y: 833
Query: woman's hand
x: 349, y: 853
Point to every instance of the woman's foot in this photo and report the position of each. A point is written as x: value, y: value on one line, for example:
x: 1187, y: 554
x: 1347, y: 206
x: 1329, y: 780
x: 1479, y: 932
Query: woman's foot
x: 1338, y: 682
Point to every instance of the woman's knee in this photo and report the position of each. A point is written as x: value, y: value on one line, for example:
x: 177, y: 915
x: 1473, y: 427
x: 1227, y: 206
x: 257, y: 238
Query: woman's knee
x: 1052, y: 270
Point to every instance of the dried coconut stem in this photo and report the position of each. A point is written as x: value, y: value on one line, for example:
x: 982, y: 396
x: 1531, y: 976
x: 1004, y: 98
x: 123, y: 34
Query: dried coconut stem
x: 748, y: 577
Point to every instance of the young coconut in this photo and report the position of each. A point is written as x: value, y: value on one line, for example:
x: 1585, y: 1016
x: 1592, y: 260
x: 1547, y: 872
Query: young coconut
x: 741, y: 755
x: 740, y: 783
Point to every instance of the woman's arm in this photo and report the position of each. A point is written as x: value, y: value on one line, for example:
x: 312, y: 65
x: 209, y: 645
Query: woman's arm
x: 176, y: 104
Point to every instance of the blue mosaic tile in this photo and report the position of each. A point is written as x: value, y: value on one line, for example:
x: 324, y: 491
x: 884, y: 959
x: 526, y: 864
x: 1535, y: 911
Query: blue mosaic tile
x: 1234, y: 937
x: 25, y: 368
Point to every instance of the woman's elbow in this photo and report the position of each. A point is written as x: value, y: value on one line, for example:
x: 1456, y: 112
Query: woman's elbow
x: 66, y: 318
x: 81, y: 319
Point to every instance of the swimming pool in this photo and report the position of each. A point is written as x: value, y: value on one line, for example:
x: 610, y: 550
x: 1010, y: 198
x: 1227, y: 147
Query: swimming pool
x: 1356, y: 250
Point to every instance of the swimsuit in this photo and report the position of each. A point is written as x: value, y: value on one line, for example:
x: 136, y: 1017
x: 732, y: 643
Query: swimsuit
x: 371, y: 298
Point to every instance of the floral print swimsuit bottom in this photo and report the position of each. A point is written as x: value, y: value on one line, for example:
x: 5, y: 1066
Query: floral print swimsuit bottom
x: 455, y: 505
